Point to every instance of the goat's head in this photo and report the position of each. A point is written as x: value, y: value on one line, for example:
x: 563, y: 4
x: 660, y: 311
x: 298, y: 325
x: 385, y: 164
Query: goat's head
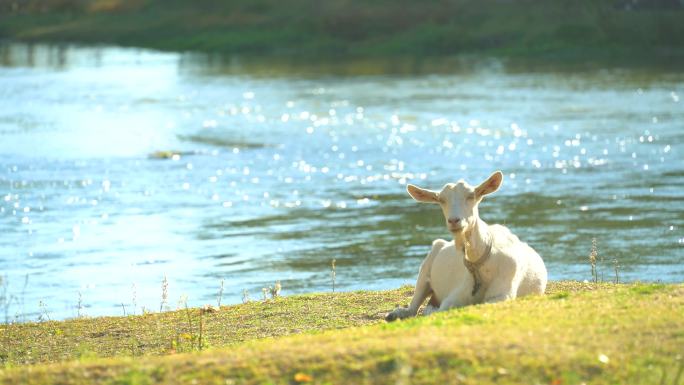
x: 458, y: 200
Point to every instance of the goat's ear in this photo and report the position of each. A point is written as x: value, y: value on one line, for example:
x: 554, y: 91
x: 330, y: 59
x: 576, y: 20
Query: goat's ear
x: 422, y: 195
x: 490, y: 185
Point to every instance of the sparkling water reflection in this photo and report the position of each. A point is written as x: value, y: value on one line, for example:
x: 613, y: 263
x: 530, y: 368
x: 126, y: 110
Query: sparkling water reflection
x: 120, y: 166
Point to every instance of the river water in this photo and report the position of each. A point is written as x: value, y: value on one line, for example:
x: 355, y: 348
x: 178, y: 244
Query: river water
x: 119, y: 167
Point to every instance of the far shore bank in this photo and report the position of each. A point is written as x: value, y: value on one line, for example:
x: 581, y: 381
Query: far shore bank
x: 553, y: 32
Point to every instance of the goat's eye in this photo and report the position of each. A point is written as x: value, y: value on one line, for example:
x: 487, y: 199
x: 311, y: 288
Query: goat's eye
x: 471, y: 197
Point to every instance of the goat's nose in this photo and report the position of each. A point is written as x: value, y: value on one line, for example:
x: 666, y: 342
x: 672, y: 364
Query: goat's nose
x: 454, y: 221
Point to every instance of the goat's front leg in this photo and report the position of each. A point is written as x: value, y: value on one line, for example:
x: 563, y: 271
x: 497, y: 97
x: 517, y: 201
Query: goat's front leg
x: 423, y: 289
x: 459, y: 297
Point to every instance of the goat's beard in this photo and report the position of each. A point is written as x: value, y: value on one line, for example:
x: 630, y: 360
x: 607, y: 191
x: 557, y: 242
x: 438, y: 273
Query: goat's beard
x: 461, y: 237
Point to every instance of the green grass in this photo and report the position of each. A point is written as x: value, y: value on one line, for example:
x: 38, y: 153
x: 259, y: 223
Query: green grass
x: 160, y: 333
x: 605, y: 31
x: 577, y: 333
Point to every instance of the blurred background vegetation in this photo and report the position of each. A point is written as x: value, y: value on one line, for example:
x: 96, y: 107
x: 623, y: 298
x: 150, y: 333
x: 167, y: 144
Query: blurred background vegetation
x: 624, y: 31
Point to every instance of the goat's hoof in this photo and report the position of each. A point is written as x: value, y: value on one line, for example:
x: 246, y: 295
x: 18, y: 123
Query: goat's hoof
x: 429, y: 309
x: 398, y: 313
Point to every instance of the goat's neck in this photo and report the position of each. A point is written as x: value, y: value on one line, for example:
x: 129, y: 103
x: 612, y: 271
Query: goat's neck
x: 475, y: 240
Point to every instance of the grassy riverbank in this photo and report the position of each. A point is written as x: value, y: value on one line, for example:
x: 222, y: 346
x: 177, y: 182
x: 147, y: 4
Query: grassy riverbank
x: 622, y: 32
x: 577, y: 333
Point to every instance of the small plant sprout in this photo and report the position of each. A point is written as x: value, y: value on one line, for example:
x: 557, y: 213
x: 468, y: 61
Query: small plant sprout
x: 23, y: 296
x: 123, y: 307
x: 165, y: 293
x: 616, y: 265
x: 264, y: 292
x: 220, y: 295
x: 275, y: 290
x: 601, y: 264
x: 593, y: 254
x: 187, y: 313
x: 332, y: 274
x: 245, y: 296
x: 182, y: 302
x: 134, y: 299
x: 200, y: 345
x: 43, y: 312
x: 5, y: 297
x: 79, y: 305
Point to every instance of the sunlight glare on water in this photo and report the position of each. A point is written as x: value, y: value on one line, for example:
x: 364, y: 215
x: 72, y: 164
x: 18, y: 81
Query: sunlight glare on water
x: 121, y: 166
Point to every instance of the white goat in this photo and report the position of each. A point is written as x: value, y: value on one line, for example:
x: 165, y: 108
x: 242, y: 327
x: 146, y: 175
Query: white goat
x: 482, y: 264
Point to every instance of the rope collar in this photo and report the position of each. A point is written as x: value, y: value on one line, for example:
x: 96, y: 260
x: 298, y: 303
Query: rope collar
x: 474, y: 267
